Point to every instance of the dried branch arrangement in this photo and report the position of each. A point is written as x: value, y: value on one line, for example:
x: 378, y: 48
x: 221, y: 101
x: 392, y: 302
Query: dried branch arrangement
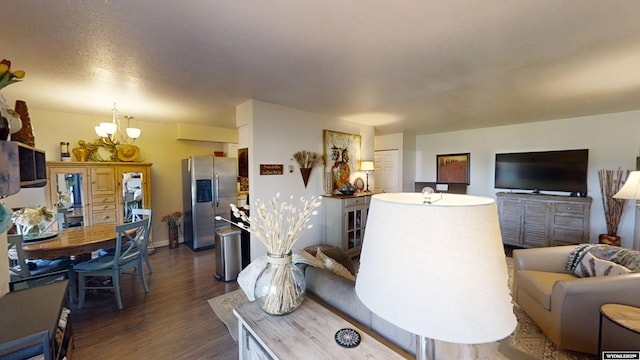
x: 610, y: 183
x: 278, y: 225
x: 306, y: 159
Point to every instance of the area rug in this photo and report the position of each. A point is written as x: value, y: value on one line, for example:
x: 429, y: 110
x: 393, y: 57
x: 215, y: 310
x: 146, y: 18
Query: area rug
x: 528, y: 338
x: 223, y: 306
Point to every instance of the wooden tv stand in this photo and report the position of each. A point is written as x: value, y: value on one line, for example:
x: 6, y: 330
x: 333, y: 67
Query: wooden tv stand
x: 534, y: 220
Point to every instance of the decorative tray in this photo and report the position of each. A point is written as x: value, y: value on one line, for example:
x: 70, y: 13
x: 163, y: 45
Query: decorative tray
x: 42, y: 236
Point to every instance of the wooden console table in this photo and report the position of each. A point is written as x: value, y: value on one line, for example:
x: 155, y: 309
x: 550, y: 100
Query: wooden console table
x: 307, y: 333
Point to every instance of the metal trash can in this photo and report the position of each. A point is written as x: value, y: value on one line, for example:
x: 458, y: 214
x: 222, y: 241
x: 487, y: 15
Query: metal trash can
x: 228, y: 254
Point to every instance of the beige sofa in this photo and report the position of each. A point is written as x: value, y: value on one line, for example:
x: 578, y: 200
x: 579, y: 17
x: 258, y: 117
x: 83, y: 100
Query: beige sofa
x: 565, y: 306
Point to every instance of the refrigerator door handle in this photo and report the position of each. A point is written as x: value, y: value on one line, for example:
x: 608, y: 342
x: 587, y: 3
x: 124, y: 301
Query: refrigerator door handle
x: 216, y: 191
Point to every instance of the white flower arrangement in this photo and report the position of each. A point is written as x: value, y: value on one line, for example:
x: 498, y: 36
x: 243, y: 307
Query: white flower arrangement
x: 278, y: 225
x: 28, y: 218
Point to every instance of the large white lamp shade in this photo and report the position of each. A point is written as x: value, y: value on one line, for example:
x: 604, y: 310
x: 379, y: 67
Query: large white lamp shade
x: 437, y: 270
x: 631, y: 188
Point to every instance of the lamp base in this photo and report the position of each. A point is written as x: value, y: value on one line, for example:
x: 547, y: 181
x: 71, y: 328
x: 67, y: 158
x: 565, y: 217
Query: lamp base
x: 367, y: 189
x: 425, y: 348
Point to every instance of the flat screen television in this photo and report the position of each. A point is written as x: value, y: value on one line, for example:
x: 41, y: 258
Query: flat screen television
x: 563, y: 171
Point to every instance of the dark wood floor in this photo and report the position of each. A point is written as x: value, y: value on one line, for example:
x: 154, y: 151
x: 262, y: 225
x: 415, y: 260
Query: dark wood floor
x: 172, y: 321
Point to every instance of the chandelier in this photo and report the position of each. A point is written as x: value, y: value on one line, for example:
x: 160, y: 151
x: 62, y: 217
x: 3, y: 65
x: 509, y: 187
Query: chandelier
x: 112, y: 133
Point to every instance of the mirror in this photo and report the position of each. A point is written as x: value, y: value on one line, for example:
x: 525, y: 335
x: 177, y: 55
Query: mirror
x: 132, y: 193
x: 69, y: 198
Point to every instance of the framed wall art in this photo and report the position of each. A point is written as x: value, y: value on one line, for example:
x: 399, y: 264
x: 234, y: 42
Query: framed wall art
x: 453, y: 168
x: 342, y: 156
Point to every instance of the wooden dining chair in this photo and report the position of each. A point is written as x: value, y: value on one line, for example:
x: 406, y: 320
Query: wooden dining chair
x: 131, y: 241
x: 139, y: 214
x: 26, y: 273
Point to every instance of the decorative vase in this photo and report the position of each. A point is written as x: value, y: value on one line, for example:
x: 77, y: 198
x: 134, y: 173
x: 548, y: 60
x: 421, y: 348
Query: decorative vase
x: 341, y: 173
x: 28, y: 230
x: 4, y: 128
x: 173, y: 237
x: 328, y: 183
x: 280, y: 287
x: 305, y: 172
x: 609, y: 239
x: 25, y: 135
x: 81, y: 154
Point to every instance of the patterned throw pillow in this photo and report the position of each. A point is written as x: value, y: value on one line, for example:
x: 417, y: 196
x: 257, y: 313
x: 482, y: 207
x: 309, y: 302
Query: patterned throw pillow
x: 334, y: 266
x: 592, y: 266
x: 601, y: 260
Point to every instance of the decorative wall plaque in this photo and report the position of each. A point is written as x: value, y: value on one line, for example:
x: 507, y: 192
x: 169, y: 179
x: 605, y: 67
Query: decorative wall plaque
x: 271, y: 169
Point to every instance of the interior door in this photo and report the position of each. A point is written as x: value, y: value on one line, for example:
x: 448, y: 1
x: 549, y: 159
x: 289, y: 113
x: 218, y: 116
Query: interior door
x: 387, y: 173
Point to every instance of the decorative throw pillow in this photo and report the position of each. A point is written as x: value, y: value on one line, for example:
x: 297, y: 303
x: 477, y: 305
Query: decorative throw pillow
x: 590, y: 265
x: 334, y: 266
x: 248, y: 276
x: 601, y: 259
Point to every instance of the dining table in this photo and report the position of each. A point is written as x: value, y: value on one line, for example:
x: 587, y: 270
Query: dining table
x: 73, y: 241
x: 79, y: 242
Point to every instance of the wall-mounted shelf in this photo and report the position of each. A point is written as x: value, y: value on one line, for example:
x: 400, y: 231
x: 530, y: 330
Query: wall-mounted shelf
x: 33, y: 170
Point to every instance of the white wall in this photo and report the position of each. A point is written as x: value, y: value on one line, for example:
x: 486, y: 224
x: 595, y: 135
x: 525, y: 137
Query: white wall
x: 276, y: 134
x: 612, y: 139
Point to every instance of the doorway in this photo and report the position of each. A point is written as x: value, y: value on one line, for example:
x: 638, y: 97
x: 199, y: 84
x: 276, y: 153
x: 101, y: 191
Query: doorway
x: 387, y: 171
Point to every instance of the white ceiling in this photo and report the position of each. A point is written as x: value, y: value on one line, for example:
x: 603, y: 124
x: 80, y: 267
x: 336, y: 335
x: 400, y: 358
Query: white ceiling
x: 418, y: 66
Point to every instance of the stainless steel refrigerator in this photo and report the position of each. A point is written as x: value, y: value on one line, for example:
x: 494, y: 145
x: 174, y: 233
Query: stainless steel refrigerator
x: 209, y: 185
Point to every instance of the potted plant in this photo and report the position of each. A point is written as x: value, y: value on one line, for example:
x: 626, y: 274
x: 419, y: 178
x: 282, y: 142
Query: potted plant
x: 172, y: 222
x: 610, y: 183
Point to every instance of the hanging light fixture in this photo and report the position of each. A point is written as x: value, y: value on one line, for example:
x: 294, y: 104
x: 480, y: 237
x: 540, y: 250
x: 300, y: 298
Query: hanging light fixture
x: 111, y: 132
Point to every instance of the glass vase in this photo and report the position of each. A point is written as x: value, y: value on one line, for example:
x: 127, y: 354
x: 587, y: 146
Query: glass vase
x: 280, y: 287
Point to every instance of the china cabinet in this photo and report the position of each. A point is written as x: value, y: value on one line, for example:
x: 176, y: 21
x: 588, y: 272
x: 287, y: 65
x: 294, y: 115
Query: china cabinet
x: 99, y: 192
x: 345, y: 217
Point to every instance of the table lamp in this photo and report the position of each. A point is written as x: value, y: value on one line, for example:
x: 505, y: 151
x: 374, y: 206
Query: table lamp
x: 436, y: 268
x: 366, y: 166
x: 631, y: 191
